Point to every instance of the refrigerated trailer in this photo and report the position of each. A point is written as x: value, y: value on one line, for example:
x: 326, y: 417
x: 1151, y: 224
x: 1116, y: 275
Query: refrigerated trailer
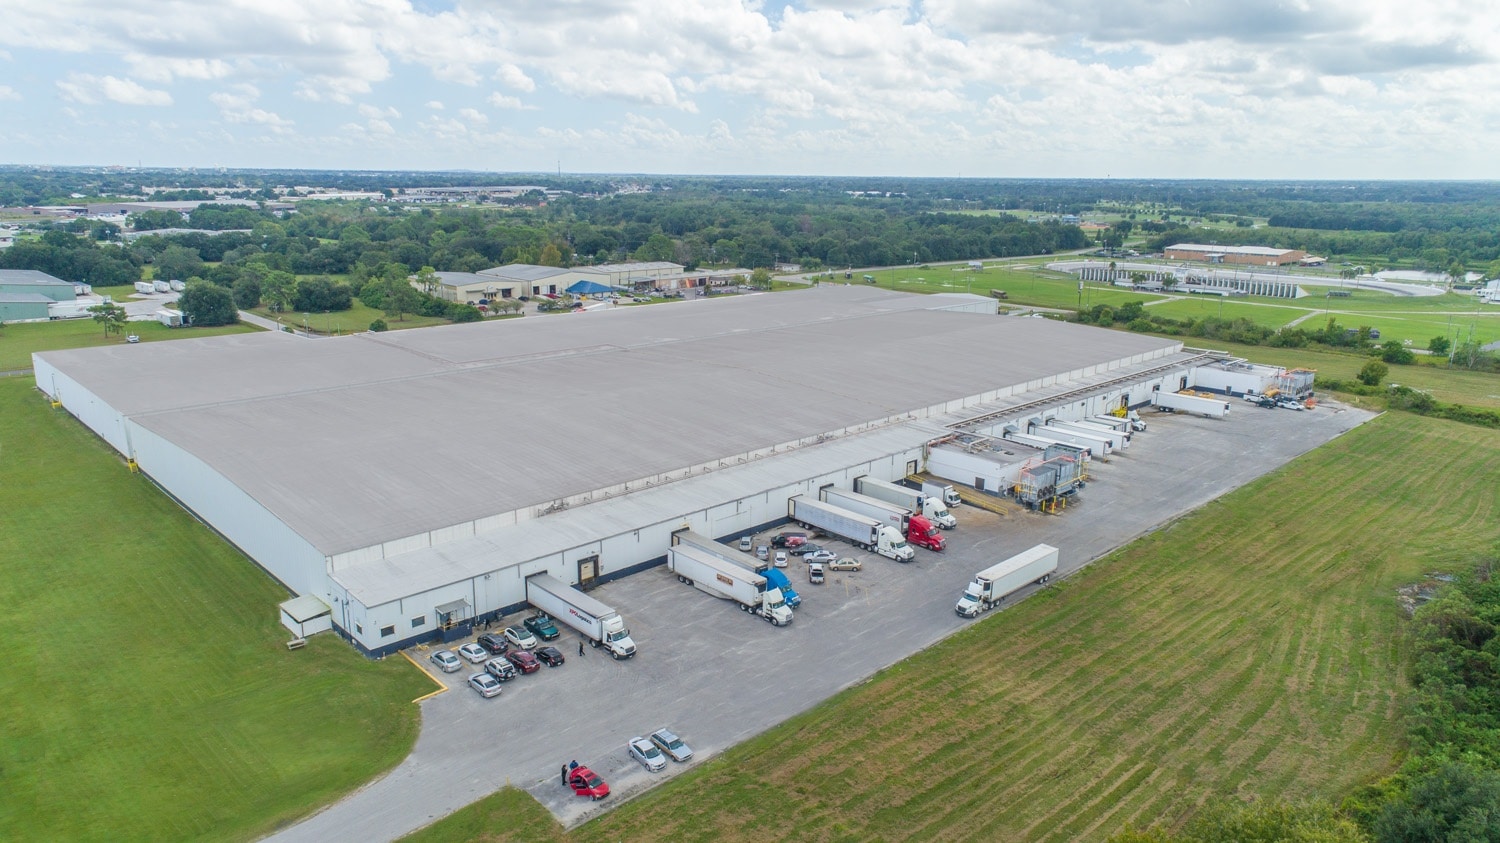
x: 728, y: 581
x: 1213, y: 408
x: 992, y: 585
x: 747, y: 561
x: 858, y: 530
x: 931, y: 507
x: 1116, y: 440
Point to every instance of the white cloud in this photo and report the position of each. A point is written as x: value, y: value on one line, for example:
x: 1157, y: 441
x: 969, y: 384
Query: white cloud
x: 88, y: 89
x: 237, y: 105
x: 500, y: 100
x: 435, y: 105
x: 473, y: 116
x: 8, y: 93
x: 164, y: 68
x: 515, y: 78
x: 375, y: 111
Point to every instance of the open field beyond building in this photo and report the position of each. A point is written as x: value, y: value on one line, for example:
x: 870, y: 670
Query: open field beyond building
x: 148, y: 693
x: 1248, y: 650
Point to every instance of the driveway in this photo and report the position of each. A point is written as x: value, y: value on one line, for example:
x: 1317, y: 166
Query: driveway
x: 718, y: 676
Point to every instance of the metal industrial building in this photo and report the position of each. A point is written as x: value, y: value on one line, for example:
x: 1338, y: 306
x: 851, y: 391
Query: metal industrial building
x: 411, y: 480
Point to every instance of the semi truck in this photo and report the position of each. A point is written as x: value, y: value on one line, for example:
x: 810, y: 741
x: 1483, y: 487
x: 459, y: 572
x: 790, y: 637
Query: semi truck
x: 852, y: 527
x: 744, y: 560
x: 941, y: 491
x: 917, y: 529
x: 992, y: 585
x: 728, y: 581
x: 1213, y: 408
x: 931, y: 507
x: 1117, y: 440
x: 601, y: 625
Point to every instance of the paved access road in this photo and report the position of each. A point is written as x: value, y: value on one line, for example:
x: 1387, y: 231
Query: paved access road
x: 718, y: 676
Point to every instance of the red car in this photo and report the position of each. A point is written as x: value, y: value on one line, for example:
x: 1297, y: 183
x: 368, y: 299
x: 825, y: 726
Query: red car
x: 524, y: 661
x: 585, y: 782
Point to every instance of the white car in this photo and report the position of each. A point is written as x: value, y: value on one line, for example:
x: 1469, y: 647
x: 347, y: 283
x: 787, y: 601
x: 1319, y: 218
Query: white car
x: 820, y: 556
x: 746, y: 543
x: 485, y: 684
x: 780, y: 559
x: 474, y: 653
x: 446, y: 661
x: 519, y: 637
x: 646, y: 752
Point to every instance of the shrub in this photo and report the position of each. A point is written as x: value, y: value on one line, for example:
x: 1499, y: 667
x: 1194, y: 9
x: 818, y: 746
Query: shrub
x: 1373, y: 373
x: 379, y: 325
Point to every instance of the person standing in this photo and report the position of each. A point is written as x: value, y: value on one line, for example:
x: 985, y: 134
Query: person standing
x: 580, y: 648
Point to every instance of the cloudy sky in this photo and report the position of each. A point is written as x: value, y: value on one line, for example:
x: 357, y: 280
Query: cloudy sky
x: 1086, y: 88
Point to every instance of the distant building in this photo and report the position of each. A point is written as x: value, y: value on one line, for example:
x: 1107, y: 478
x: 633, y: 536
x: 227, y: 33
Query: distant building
x: 26, y: 293
x: 1245, y: 255
x: 524, y: 279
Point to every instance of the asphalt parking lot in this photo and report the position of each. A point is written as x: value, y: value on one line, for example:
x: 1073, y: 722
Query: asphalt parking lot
x: 717, y: 676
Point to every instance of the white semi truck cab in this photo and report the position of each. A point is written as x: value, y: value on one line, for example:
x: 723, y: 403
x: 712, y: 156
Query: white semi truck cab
x: 892, y: 545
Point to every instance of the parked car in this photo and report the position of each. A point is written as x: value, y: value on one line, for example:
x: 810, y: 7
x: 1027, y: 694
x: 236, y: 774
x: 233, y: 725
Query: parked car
x: 485, y: 684
x: 541, y: 625
x: 780, y: 559
x: 671, y: 745
x: 848, y: 563
x: 550, y: 656
x: 446, y: 661
x: 763, y: 553
x: 746, y: 542
x: 646, y: 752
x: 132, y: 338
x: 519, y: 637
x: 804, y: 549
x: 524, y: 661
x: 501, y: 669
x: 473, y: 652
x: 494, y: 643
x: 788, y: 539
x: 1289, y: 404
x: 820, y: 556
x: 585, y: 782
x: 815, y: 573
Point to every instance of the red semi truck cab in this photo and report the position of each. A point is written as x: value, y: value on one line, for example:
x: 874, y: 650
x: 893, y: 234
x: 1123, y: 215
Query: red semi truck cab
x: 923, y: 533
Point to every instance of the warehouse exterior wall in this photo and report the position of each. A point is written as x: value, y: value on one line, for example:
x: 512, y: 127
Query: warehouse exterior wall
x: 84, y: 405
x: 231, y: 512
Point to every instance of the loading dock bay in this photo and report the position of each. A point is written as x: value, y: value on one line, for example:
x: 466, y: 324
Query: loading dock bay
x: 718, y: 676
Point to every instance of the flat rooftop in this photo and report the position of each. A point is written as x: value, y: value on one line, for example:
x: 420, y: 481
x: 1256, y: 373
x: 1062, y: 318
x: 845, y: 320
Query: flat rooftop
x: 357, y: 440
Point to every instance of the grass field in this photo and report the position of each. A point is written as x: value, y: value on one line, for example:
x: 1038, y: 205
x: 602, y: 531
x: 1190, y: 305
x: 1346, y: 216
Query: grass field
x: 148, y: 694
x: 19, y: 340
x: 351, y: 321
x: 1248, y: 650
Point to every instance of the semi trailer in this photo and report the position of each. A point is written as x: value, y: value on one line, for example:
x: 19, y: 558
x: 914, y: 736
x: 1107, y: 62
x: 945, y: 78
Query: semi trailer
x: 745, y: 560
x: 942, y: 491
x: 596, y: 622
x: 728, y: 581
x: 916, y: 528
x: 992, y: 585
x: 931, y: 507
x: 1117, y: 440
x: 1213, y: 408
x: 852, y: 527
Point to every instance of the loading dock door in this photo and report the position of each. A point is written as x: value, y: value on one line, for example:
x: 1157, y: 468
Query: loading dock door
x: 588, y: 571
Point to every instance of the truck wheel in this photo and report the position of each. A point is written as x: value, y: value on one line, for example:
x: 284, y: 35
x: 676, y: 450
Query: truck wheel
x: 593, y: 643
x: 614, y: 655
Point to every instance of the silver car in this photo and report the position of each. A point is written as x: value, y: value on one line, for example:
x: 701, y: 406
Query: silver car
x: 474, y: 653
x: 646, y: 752
x: 485, y: 684
x: 671, y: 745
x: 745, y: 543
x: 446, y: 661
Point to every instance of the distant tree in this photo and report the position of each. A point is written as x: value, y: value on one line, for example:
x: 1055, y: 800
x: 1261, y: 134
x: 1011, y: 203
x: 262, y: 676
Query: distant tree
x: 1373, y: 372
x: 462, y: 312
x: 109, y: 315
x: 277, y: 289
x: 1438, y: 346
x: 427, y: 279
x: 550, y: 256
x: 1393, y: 351
x: 247, y: 293
x: 760, y: 278
x: 204, y: 304
x: 398, y: 296
x: 154, y: 220
x: 1457, y: 803
x: 178, y: 263
x: 321, y: 295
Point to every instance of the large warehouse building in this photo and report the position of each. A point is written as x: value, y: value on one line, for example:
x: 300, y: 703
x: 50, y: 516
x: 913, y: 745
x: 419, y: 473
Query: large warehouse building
x: 411, y: 480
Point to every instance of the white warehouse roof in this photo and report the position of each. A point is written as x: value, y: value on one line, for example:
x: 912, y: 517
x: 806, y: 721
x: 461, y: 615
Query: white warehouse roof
x: 357, y: 440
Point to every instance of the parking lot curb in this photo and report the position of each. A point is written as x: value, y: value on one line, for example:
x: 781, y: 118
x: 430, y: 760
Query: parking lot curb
x: 441, y: 687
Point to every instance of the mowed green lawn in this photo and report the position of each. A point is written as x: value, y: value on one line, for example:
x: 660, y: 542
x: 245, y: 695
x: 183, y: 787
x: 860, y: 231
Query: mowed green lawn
x: 352, y: 321
x: 1249, y: 650
x: 1033, y: 286
x: 19, y: 340
x: 148, y: 693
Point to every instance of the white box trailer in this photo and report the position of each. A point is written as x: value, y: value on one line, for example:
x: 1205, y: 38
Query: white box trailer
x: 991, y: 586
x: 1119, y: 423
x: 728, y: 581
x: 177, y: 286
x: 1095, y: 449
x: 69, y: 309
x: 145, y: 287
x: 1116, y: 439
x: 931, y: 507
x: 601, y: 625
x: 170, y: 318
x: 1098, y: 442
x: 745, y: 560
x: 161, y: 286
x: 1213, y: 408
x: 882, y: 511
x: 858, y: 530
